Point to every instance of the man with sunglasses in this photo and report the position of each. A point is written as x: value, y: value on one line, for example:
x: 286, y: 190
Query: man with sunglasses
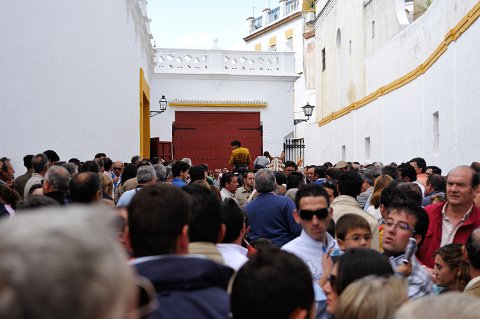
x: 407, y: 220
x: 116, y: 174
x: 314, y: 215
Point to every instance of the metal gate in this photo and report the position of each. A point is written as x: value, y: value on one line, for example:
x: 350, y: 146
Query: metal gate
x: 294, y: 149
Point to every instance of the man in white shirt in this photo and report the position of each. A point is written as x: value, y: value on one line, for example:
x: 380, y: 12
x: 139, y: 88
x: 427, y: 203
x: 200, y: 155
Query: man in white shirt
x: 229, y: 185
x: 231, y: 248
x: 314, y: 215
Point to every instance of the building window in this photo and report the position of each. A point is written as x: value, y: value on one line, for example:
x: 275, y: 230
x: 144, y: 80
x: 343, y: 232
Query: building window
x: 324, y: 62
x: 258, y: 47
x: 289, y: 43
x: 339, y: 40
x: 436, y: 133
x: 367, y: 149
x: 344, y: 153
x: 272, y: 44
x: 373, y: 29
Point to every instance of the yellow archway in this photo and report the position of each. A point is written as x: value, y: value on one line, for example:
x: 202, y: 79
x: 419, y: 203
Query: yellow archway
x: 144, y: 116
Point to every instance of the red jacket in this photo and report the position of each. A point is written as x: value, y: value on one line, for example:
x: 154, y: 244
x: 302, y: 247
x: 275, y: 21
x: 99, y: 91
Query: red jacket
x: 433, y: 237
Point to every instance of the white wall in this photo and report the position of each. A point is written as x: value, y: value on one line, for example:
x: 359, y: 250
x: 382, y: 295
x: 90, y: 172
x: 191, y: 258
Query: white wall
x: 301, y: 97
x: 400, y: 124
x: 343, y: 80
x: 277, y: 117
x: 69, y: 77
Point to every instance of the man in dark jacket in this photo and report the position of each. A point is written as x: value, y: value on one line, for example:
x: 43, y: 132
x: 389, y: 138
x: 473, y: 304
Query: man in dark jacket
x: 56, y: 184
x: 186, y: 286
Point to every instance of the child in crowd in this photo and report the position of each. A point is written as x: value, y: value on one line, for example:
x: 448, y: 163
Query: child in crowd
x: 352, y: 231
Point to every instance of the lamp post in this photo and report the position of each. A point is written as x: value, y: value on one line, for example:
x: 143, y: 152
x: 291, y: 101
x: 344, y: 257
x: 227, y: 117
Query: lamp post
x: 307, y: 111
x: 163, y: 107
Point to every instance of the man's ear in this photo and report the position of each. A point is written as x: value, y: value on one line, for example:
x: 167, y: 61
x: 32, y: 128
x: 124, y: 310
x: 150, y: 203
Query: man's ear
x: 465, y: 254
x: 126, y: 241
x: 341, y: 244
x: 183, y: 241
x: 299, y: 314
x: 98, y: 195
x: 221, y: 233
x: 45, y: 186
x: 296, y: 216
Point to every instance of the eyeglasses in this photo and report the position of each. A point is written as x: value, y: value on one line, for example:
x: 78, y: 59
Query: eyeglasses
x: 357, y: 238
x: 117, y: 168
x: 308, y: 214
x: 401, y: 225
x: 147, y: 302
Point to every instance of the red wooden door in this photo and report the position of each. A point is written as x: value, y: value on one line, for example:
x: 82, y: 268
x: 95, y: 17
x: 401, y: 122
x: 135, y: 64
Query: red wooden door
x: 205, y: 137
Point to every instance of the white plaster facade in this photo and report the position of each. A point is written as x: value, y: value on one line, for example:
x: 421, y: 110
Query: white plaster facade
x: 433, y: 116
x: 290, y: 23
x: 69, y: 78
x: 210, y: 75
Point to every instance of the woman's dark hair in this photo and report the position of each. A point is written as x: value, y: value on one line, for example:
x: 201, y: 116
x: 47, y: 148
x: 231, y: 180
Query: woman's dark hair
x: 9, y: 196
x: 357, y: 263
x: 130, y: 171
x: 452, y: 255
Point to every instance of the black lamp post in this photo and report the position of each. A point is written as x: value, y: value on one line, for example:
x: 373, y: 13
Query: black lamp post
x: 308, y: 111
x: 163, y: 107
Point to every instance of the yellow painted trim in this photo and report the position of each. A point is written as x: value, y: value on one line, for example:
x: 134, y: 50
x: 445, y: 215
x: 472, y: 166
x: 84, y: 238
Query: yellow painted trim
x: 217, y: 105
x: 451, y: 36
x: 289, y: 34
x: 306, y: 5
x: 272, y: 41
x: 144, y: 90
x: 258, y: 47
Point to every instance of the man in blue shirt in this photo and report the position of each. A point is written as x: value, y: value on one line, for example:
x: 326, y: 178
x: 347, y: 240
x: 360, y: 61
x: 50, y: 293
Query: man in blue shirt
x: 180, y: 173
x: 271, y: 216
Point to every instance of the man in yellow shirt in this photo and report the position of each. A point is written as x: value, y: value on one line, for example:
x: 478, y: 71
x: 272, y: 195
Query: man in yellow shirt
x: 240, y: 158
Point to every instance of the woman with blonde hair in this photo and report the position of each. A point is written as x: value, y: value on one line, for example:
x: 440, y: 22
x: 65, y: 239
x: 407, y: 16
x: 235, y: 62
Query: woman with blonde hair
x: 381, y: 182
x: 372, y: 297
x: 107, y: 185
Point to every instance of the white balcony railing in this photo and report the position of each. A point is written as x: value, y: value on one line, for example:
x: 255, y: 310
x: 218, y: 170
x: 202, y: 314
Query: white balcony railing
x: 224, y: 62
x: 286, y: 8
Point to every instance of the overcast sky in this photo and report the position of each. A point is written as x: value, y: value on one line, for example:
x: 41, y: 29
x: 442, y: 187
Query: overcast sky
x: 193, y: 24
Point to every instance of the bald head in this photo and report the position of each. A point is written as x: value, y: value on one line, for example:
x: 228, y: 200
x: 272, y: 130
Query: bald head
x: 462, y: 183
x: 117, y: 168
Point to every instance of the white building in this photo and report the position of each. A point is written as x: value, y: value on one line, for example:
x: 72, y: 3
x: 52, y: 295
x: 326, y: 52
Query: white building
x: 79, y: 77
x: 70, y: 74
x: 284, y: 27
x: 218, y: 96
x: 390, y: 90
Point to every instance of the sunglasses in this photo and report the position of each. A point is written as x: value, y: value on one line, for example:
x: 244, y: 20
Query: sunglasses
x: 308, y: 214
x: 118, y: 168
x: 147, y: 302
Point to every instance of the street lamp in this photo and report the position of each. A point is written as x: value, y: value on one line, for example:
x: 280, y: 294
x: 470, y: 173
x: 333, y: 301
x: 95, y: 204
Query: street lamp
x: 307, y: 110
x: 163, y: 107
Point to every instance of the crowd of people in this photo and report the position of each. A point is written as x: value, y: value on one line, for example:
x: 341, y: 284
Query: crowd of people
x: 108, y: 239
